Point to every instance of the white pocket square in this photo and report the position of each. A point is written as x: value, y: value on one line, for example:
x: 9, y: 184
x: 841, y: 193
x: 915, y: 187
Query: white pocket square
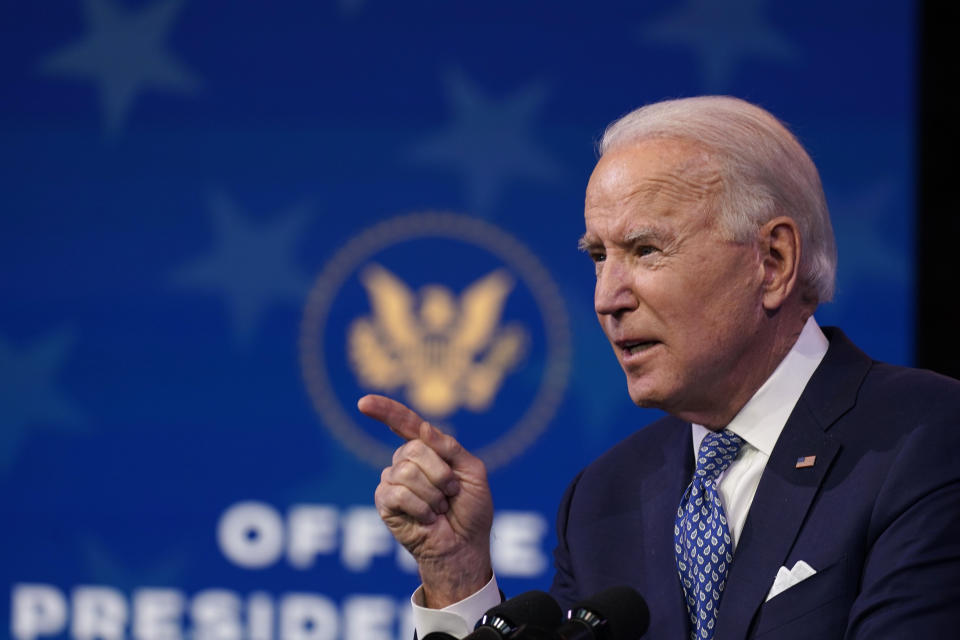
x: 786, y: 578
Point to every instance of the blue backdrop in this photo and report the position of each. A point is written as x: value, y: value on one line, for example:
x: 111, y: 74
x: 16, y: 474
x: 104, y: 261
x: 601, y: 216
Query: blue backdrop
x: 222, y: 222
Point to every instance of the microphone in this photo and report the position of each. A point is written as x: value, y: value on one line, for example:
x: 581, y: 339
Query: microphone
x: 529, y: 614
x: 617, y: 613
x: 532, y: 615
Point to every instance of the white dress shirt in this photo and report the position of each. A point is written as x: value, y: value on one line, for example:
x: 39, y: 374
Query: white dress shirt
x: 759, y: 423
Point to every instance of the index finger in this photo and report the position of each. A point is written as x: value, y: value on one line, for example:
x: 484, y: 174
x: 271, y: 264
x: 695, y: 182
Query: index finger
x: 401, y: 419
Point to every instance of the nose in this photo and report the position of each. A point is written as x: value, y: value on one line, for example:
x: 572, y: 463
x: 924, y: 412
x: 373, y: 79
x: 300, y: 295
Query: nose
x: 614, y: 292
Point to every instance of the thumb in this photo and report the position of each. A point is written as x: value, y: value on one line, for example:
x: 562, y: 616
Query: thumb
x: 446, y: 446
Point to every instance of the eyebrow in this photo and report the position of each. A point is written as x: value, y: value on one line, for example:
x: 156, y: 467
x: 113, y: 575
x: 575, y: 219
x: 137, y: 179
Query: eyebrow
x: 635, y: 236
x: 646, y: 234
x: 586, y: 242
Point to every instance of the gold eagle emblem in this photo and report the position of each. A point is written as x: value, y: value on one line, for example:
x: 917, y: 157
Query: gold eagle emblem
x: 446, y: 353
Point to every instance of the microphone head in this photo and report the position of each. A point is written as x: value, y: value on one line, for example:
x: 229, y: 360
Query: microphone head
x: 533, y: 608
x: 617, y: 613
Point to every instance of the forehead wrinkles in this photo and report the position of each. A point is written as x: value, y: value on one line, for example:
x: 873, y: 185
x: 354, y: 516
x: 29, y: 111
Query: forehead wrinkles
x: 671, y: 170
x: 692, y: 179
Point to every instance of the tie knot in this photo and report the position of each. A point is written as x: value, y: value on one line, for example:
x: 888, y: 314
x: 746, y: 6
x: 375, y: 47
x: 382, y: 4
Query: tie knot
x: 717, y: 451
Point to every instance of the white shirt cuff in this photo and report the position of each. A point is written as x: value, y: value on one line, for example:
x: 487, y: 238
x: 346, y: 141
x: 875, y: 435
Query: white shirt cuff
x: 459, y: 618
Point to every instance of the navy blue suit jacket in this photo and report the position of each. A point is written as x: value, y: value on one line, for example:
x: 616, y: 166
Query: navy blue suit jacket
x: 878, y: 515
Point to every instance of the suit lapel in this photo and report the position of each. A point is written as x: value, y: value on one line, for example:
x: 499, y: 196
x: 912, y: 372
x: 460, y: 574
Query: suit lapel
x: 785, y: 492
x: 776, y: 516
x: 666, y: 486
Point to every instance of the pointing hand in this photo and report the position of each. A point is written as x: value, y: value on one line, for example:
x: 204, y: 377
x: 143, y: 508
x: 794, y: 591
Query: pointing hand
x: 436, y: 502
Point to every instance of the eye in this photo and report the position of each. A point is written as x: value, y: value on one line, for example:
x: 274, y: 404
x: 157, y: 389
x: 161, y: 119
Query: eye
x: 598, y: 256
x: 646, y: 250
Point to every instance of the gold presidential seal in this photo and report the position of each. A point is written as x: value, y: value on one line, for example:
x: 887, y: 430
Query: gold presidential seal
x: 440, y: 311
x: 449, y: 355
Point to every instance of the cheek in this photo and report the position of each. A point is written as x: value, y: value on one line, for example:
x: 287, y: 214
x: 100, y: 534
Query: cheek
x: 730, y: 289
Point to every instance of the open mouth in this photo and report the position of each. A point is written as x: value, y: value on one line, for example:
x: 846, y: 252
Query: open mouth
x: 636, y: 346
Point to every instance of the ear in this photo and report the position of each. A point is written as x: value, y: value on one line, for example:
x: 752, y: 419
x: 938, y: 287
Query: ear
x: 780, y: 248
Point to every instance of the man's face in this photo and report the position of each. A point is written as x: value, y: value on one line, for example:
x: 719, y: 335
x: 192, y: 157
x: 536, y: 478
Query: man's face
x: 678, y: 301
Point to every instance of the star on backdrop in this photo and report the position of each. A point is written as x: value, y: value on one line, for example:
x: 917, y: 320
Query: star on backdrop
x: 29, y: 393
x: 489, y: 142
x: 124, y: 54
x: 351, y: 8
x: 721, y: 35
x: 868, y: 251
x: 252, y: 265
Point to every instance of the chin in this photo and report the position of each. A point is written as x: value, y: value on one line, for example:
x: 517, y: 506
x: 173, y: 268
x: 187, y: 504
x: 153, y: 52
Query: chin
x: 645, y: 398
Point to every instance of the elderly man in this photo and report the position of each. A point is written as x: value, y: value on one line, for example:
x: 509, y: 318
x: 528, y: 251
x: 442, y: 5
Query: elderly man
x: 797, y: 489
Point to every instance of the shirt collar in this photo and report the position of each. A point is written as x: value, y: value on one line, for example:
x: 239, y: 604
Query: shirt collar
x: 761, y: 420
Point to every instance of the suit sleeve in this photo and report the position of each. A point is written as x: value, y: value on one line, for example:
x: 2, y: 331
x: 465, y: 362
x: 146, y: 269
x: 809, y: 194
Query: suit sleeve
x: 564, y: 589
x: 910, y: 585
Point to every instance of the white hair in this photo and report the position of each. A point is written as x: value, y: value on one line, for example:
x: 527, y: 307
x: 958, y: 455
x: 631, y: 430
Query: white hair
x: 766, y: 172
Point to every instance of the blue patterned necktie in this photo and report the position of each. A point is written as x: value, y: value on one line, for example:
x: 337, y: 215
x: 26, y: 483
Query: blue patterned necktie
x: 701, y: 536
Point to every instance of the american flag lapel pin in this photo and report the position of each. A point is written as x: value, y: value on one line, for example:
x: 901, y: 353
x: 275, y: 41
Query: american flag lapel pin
x: 806, y: 462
